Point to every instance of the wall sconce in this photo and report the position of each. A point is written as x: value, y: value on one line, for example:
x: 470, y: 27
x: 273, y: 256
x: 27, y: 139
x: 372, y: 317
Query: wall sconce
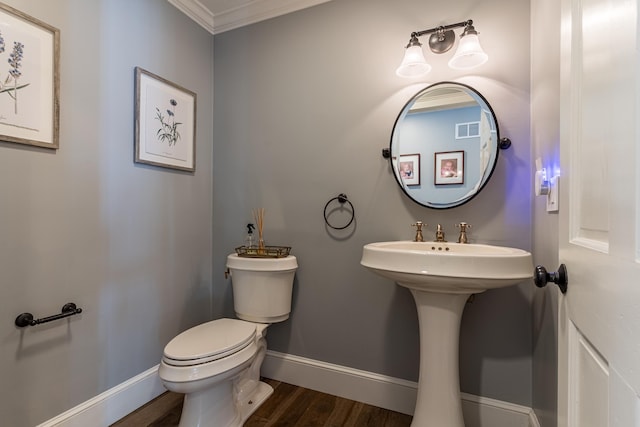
x: 469, y: 53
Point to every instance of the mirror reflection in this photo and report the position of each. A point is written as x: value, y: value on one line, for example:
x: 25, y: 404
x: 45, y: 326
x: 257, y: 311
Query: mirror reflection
x: 444, y: 145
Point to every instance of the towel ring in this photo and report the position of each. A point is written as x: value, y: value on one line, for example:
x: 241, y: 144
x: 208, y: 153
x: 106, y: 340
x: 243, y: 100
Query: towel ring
x: 342, y: 199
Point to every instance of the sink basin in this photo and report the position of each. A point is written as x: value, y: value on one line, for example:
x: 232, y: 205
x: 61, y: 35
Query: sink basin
x: 441, y: 277
x: 448, y: 267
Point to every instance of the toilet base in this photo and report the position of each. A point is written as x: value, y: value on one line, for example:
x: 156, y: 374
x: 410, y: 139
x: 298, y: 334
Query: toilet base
x: 215, y: 407
x: 252, y: 402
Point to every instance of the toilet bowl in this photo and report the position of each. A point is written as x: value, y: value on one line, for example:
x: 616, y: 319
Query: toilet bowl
x: 217, y: 364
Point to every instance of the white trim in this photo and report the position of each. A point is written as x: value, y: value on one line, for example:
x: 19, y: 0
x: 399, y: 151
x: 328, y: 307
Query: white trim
x: 363, y: 386
x: 256, y: 11
x: 196, y: 11
x: 533, y: 420
x: 484, y: 411
x: 112, y: 405
x: 250, y: 12
x: 375, y: 389
x: 596, y: 245
x: 386, y: 392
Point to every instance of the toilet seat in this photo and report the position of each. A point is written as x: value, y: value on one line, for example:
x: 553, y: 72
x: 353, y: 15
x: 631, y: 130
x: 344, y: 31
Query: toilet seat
x: 208, y: 342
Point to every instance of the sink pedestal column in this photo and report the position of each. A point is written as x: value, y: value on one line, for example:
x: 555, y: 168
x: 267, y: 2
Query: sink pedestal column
x: 439, y: 316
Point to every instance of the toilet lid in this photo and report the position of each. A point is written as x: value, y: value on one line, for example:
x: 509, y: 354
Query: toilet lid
x: 210, y: 341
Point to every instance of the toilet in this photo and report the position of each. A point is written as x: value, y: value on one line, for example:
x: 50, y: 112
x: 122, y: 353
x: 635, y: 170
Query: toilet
x: 217, y: 364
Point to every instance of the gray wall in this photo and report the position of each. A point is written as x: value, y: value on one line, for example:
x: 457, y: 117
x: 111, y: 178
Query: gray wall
x: 545, y: 139
x: 303, y: 106
x: 130, y: 244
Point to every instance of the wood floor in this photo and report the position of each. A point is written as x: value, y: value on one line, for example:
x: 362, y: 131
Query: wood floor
x: 288, y: 406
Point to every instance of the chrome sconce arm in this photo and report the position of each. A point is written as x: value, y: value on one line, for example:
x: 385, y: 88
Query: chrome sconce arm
x: 442, y: 38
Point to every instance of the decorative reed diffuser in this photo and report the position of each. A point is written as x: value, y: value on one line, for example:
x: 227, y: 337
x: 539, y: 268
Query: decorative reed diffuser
x: 258, y: 217
x: 261, y: 250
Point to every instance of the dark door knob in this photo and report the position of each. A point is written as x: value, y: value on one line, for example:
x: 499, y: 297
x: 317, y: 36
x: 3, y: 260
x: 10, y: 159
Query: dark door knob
x: 541, y: 277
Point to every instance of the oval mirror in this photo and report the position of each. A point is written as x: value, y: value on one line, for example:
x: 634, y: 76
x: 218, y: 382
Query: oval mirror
x: 444, y: 145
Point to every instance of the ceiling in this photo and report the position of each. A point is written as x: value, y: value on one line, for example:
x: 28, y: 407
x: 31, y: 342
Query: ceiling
x: 217, y: 16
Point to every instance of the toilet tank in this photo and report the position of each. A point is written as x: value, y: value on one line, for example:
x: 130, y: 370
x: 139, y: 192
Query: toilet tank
x: 262, y: 287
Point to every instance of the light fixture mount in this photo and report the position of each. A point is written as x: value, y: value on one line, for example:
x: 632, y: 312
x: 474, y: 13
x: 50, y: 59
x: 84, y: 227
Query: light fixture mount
x: 442, y: 40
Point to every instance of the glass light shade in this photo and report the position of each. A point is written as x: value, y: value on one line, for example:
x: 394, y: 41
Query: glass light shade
x: 469, y: 53
x: 413, y: 63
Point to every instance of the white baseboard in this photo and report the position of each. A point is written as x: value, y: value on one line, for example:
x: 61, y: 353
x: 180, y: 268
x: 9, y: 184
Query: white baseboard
x: 481, y: 411
x: 115, y: 403
x: 386, y: 392
x: 367, y: 387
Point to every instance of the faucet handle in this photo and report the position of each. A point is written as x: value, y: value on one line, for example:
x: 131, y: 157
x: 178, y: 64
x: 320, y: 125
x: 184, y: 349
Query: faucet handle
x: 418, y: 225
x: 463, y: 226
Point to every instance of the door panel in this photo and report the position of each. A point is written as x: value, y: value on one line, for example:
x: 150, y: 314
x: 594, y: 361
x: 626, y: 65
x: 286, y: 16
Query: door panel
x: 599, y: 316
x: 589, y: 382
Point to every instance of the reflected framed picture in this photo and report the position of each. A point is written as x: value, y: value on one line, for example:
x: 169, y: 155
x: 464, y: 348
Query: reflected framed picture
x: 165, y: 123
x: 409, y: 168
x: 29, y: 79
x: 449, y: 168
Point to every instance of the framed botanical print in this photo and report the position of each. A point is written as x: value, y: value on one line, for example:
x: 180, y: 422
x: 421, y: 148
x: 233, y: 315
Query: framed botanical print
x: 165, y: 123
x: 29, y: 79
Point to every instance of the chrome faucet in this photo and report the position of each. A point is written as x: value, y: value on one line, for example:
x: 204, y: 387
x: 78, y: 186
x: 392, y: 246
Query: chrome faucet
x: 418, y: 225
x: 463, y: 226
x: 439, y: 234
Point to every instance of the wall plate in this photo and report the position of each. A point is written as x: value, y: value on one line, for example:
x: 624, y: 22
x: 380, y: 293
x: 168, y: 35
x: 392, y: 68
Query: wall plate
x: 552, y: 197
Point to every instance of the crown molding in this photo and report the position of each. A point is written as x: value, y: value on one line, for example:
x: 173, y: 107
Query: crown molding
x: 196, y: 11
x: 245, y: 14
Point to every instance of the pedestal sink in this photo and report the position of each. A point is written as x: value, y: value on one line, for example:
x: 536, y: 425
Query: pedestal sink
x: 441, y: 276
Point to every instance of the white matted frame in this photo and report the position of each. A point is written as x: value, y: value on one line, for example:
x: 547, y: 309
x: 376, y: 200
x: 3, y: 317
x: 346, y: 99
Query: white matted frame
x: 449, y: 167
x: 29, y: 79
x: 165, y: 123
x: 409, y: 169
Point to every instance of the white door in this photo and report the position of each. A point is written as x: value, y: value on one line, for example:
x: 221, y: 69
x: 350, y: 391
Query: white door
x: 599, y: 316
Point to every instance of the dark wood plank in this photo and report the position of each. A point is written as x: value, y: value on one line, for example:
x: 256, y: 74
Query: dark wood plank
x: 396, y: 419
x: 295, y: 408
x: 288, y: 406
x: 352, y: 419
x: 162, y: 409
x: 318, y: 409
x: 283, y: 395
x: 342, y: 410
x: 372, y: 416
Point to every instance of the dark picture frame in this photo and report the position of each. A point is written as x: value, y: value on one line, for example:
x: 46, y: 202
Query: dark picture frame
x: 409, y: 169
x: 449, y: 168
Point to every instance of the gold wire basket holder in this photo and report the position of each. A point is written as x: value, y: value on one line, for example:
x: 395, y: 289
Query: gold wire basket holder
x: 265, y: 252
